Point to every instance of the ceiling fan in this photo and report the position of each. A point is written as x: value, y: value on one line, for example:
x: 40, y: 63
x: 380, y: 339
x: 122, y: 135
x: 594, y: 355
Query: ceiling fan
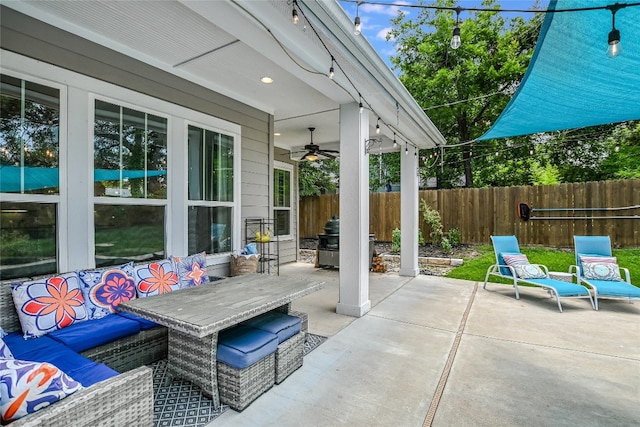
x: 314, y: 150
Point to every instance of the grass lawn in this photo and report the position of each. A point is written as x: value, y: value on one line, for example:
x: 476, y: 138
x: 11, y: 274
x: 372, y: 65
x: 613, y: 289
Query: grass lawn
x: 475, y: 268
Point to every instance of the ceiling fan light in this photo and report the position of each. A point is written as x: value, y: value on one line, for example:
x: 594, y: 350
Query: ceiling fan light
x: 312, y: 157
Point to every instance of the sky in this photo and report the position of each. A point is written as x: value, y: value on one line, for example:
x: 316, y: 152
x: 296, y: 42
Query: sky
x: 376, y: 19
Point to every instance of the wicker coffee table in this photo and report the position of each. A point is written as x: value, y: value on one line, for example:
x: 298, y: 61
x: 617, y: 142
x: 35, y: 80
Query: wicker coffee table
x: 194, y: 316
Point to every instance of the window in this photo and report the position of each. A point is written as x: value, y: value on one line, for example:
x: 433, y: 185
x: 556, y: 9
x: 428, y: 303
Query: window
x: 282, y: 179
x: 130, y: 153
x: 130, y: 162
x: 29, y: 177
x: 210, y: 190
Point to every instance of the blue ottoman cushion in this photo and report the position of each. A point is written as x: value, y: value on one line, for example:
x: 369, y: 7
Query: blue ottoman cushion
x: 92, y: 333
x: 242, y: 346
x: 281, y: 324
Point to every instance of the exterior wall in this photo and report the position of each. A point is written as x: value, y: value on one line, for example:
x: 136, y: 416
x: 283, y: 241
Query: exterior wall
x: 35, y: 39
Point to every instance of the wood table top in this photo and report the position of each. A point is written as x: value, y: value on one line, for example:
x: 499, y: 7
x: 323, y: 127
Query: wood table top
x: 205, y: 309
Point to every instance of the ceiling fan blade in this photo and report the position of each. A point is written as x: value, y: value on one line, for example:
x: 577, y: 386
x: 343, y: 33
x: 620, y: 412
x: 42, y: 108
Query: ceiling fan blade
x: 324, y: 153
x: 331, y: 151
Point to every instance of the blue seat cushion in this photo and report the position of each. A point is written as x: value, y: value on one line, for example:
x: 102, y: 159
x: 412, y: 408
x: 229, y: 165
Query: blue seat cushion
x: 92, y: 373
x: 45, y: 349
x: 281, y: 324
x: 242, y: 346
x: 92, y: 333
x: 144, y: 323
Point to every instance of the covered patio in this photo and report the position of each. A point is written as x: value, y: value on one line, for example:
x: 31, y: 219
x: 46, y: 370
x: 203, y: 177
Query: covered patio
x: 445, y: 352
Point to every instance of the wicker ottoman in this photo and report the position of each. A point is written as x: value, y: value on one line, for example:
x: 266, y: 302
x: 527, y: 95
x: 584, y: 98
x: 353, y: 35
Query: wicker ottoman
x: 239, y: 387
x: 245, y: 364
x: 289, y: 356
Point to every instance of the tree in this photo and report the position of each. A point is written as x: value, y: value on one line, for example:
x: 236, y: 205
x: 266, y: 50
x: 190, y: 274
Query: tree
x: 318, y: 177
x: 483, y: 72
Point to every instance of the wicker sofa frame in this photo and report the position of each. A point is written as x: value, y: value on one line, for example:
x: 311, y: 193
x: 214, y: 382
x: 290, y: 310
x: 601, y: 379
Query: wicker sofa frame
x: 126, y: 399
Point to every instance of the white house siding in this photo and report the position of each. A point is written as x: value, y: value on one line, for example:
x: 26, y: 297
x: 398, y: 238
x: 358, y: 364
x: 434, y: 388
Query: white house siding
x: 35, y: 39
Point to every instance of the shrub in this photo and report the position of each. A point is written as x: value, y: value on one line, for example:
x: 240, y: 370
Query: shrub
x: 453, y: 236
x: 432, y: 218
x: 446, y: 245
x: 395, y: 239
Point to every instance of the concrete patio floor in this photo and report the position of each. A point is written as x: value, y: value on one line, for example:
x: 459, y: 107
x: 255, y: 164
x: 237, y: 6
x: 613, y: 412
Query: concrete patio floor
x: 445, y: 352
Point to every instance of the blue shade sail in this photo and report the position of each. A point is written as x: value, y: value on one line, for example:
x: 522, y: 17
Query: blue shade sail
x: 571, y: 82
x: 14, y: 179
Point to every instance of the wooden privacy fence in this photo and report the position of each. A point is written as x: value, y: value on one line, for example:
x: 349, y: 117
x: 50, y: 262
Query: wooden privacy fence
x: 558, y: 212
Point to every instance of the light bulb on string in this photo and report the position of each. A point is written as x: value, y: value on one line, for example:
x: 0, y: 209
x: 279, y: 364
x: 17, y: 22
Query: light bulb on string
x: 617, y: 148
x: 378, y: 126
x: 331, y: 70
x: 357, y: 29
x: 406, y: 149
x: 614, y: 48
x: 395, y: 143
x: 455, y: 39
x: 294, y: 15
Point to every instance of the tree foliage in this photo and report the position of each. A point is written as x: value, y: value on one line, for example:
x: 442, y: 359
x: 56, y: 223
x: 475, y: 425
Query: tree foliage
x: 484, y: 72
x: 318, y: 177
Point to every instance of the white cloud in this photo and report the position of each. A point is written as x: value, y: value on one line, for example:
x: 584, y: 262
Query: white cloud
x: 382, y: 34
x: 380, y: 9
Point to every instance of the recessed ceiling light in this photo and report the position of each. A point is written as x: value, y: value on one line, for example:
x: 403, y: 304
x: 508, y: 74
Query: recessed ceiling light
x: 266, y: 80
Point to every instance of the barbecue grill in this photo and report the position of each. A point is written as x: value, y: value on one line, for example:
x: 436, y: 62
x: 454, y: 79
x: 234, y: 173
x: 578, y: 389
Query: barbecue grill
x: 329, y: 244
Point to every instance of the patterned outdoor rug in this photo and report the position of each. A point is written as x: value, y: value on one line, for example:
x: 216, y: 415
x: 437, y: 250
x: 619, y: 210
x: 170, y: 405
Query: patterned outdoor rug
x: 180, y: 403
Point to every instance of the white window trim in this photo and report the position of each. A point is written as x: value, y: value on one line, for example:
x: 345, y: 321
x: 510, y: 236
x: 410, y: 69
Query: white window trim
x: 289, y: 168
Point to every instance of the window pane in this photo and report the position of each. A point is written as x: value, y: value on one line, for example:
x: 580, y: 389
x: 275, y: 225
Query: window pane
x: 209, y: 229
x: 282, y: 222
x: 28, y: 236
x: 29, y: 137
x: 210, y: 165
x: 282, y: 188
x: 128, y: 233
x: 130, y: 153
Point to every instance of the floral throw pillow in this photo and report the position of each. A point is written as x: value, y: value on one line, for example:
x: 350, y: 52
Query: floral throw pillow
x: 104, y: 289
x: 601, y: 271
x: 524, y: 269
x: 5, y: 353
x: 192, y: 270
x: 26, y: 387
x: 156, y: 278
x: 49, y: 304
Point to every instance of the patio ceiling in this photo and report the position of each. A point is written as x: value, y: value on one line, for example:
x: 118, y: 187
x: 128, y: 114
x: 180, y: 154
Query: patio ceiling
x: 227, y: 46
x: 571, y: 82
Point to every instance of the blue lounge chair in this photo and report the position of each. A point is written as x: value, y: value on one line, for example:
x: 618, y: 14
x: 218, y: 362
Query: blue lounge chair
x: 600, y: 246
x: 503, y: 245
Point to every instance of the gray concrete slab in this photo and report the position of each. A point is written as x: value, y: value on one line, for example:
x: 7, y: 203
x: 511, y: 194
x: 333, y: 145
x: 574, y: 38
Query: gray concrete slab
x: 519, y: 362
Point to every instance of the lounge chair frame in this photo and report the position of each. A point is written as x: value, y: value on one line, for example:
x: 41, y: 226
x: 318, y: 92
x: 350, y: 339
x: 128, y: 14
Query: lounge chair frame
x: 601, y: 246
x: 549, y: 284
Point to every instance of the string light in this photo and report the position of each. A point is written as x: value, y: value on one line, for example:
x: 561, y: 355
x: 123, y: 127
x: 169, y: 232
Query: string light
x: 406, y: 148
x: 614, y: 47
x: 360, y: 104
x: 331, y: 70
x: 395, y: 143
x: 617, y: 148
x: 294, y: 14
x: 455, y: 40
x: 378, y: 126
x: 357, y: 29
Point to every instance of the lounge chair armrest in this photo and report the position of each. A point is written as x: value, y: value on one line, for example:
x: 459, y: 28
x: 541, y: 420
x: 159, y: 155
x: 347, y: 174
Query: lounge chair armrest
x: 125, y: 400
x: 627, y: 276
x: 543, y: 268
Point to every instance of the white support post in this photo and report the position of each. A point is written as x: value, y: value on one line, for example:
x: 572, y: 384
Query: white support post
x: 354, y: 212
x: 409, y: 213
